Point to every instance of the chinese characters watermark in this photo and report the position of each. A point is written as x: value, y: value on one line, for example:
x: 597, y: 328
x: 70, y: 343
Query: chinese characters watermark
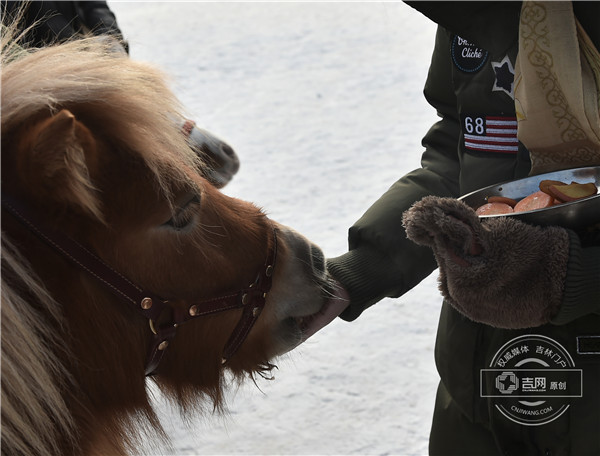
x: 531, y: 379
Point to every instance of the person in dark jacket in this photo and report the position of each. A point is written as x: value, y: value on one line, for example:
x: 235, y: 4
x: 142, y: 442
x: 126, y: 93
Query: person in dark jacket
x: 518, y: 342
x: 48, y: 22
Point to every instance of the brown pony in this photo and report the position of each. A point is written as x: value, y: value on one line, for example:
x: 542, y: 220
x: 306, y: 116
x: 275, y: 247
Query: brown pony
x: 89, y: 148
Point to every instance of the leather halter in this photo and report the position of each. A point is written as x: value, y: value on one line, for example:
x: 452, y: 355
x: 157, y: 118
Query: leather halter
x: 163, y: 318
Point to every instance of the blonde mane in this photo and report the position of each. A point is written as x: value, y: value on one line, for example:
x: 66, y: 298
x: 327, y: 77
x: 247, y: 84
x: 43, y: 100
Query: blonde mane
x: 132, y: 98
x: 137, y: 111
x: 33, y: 410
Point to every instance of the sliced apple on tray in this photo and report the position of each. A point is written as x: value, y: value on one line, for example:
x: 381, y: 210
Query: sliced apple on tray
x: 572, y: 192
x: 551, y: 193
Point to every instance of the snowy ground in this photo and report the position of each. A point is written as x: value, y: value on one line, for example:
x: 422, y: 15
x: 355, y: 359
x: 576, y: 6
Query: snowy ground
x: 323, y: 103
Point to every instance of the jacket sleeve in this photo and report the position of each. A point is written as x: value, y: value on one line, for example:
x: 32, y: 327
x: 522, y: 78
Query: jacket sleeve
x: 45, y: 22
x: 97, y: 16
x: 581, y: 295
x: 381, y: 261
x: 100, y: 20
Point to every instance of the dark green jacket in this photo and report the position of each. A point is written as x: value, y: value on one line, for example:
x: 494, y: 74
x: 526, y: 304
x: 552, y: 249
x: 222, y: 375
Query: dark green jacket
x: 47, y: 22
x: 382, y: 262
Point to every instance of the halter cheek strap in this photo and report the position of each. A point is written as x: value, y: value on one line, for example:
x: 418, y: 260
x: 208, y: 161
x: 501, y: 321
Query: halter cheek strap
x: 152, y: 307
x: 251, y: 299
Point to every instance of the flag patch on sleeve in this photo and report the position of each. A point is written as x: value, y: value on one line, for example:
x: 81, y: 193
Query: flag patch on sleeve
x: 490, y: 133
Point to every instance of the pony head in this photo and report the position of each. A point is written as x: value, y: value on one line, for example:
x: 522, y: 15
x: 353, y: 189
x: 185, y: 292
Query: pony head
x: 90, y: 147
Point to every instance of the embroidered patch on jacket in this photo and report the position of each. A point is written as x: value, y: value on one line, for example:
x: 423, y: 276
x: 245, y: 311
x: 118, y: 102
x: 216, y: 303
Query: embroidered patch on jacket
x: 505, y: 76
x: 490, y: 133
x: 467, y: 56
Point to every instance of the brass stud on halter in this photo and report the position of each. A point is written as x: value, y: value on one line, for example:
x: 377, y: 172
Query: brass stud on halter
x: 151, y: 305
x: 146, y: 303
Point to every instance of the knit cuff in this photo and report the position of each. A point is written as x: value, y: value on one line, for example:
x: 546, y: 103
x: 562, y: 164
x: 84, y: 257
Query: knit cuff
x: 581, y: 294
x: 365, y: 275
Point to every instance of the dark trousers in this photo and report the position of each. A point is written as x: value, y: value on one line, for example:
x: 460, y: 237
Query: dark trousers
x: 453, y: 434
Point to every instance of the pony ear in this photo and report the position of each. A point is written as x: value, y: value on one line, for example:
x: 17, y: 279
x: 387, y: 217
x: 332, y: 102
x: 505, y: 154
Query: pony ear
x: 55, y: 162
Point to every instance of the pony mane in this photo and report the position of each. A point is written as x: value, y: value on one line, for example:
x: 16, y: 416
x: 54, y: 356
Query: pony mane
x: 130, y: 99
x: 135, y: 110
x: 33, y: 410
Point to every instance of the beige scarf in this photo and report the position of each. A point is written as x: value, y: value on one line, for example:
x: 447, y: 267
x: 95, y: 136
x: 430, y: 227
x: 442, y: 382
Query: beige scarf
x: 557, y: 88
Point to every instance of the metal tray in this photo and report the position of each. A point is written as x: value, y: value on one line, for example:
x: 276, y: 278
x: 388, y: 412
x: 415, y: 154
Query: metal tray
x: 576, y: 214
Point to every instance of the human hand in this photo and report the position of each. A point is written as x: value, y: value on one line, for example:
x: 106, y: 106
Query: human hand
x: 498, y: 271
x: 335, y: 305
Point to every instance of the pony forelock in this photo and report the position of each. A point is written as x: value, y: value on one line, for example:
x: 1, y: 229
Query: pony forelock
x: 133, y: 97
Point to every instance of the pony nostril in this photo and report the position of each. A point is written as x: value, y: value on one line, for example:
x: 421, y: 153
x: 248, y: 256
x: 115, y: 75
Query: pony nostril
x: 227, y: 149
x: 305, y: 254
x: 234, y: 162
x: 318, y: 259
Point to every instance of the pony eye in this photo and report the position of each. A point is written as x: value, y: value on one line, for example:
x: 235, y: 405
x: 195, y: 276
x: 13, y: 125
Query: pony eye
x: 184, y: 215
x: 180, y: 221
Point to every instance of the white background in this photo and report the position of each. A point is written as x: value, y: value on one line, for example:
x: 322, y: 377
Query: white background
x: 323, y: 104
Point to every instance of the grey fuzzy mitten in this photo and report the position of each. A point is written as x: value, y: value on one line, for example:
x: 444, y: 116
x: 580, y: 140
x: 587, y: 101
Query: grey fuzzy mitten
x: 499, y: 271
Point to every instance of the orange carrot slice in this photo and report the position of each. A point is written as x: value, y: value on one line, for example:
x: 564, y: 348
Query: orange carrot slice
x: 502, y: 199
x: 537, y: 200
x: 494, y: 209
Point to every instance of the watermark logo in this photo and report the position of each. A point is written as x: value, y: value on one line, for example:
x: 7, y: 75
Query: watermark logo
x: 507, y: 382
x: 531, y: 380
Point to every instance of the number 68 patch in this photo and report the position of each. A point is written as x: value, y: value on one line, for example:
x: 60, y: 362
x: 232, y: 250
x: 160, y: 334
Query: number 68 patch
x: 485, y: 133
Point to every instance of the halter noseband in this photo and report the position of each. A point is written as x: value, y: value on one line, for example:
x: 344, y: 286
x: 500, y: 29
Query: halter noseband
x: 251, y: 299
